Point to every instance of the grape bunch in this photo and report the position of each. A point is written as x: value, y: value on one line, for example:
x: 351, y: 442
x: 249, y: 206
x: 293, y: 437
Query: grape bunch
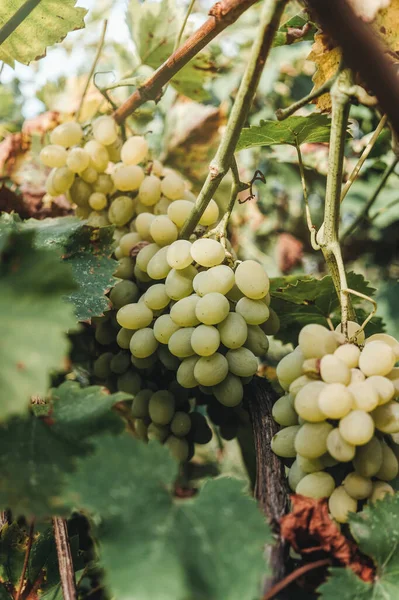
x: 339, y: 416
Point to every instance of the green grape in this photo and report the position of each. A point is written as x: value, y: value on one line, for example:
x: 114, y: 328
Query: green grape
x: 185, y: 372
x: 384, y: 388
x: 207, y: 252
x: 386, y: 417
x: 205, y: 339
x: 179, y: 283
x: 357, y: 486
x: 216, y: 279
x: 316, y: 485
x: 309, y: 465
x: 164, y: 327
x: 357, y: 427
x: 257, y: 341
x: 99, y: 158
x: 200, y: 432
x: 178, y: 448
x: 210, y: 214
x: 125, y: 269
x: 163, y: 231
x: 252, y: 279
x: 105, y: 333
x: 230, y: 391
x: 129, y: 241
x: 158, y: 267
x: 134, y: 150
x: 183, y: 312
x: 67, y: 134
x: 181, y: 424
x: 211, y: 370
x: 123, y: 338
x: 272, y: 325
x: 103, y: 184
x: 355, y: 334
x: 242, y: 362
x: 150, y: 190
x: 389, y: 468
x: 143, y: 343
x: 377, y: 358
x: 105, y: 130
x: 180, y: 342
x: 158, y: 433
x: 254, y: 312
x: 129, y: 382
x: 315, y: 341
x: 311, y: 439
x: 62, y: 180
x: 156, y: 297
x: 172, y: 186
x: 381, y: 489
x: 102, y: 365
x: 140, y: 429
x: 364, y: 396
x: 120, y: 362
x: 144, y: 363
x: 212, y: 308
x: 161, y: 407
x: 339, y: 448
x: 127, y: 178
x: 89, y: 175
x: 178, y: 211
x: 97, y: 219
x: 368, y: 459
x: 307, y: 402
x: 340, y: 504
x: 145, y: 255
x: 283, y: 411
x: 179, y: 255
x: 233, y: 331
x: 334, y: 370
x: 143, y: 223
x: 349, y: 354
x: 98, y: 201
x: 121, y: 211
x: 283, y: 442
x: 295, y: 474
x: 124, y: 292
x: 53, y: 156
x: 335, y: 400
x: 78, y: 160
x: 80, y: 192
x: 168, y: 359
x: 234, y: 295
x: 134, y: 316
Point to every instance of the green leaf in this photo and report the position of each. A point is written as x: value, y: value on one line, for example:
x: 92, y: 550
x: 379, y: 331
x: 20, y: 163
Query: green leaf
x: 376, y: 530
x: 290, y: 31
x: 34, y: 320
x: 311, y: 129
x: 12, y: 552
x: 47, y: 24
x: 154, y: 547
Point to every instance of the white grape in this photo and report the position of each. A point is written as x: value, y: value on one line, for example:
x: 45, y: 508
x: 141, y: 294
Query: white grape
x: 242, y: 362
x: 254, y: 312
x: 307, y: 402
x: 205, y: 339
x: 381, y: 489
x: 283, y: 442
x: 134, y: 150
x: 164, y: 327
x: 103, y: 184
x: 212, y: 308
x: 127, y: 178
x: 121, y: 211
x: 335, y: 400
x: 179, y: 283
x: 316, y: 485
x: 339, y: 448
x: 128, y: 241
x: 98, y: 201
x: 377, y: 358
x: 207, y: 252
x: 62, y: 179
x: 145, y: 255
x: 340, y: 504
x: 89, y: 175
x: 169, y: 360
x: 299, y: 383
x: 230, y: 391
x: 67, y: 134
x: 290, y: 368
x: 143, y: 223
x: 53, y: 156
x: 309, y: 465
x: 365, y: 397
x: 143, y: 343
x: 172, y: 186
x: 99, y: 158
x: 179, y: 255
x: 334, y: 370
x: 283, y: 411
x: 180, y: 342
x: 386, y: 417
x: 357, y: 376
x: 355, y: 334
x: 252, y: 280
x: 368, y: 459
x: 383, y: 337
x: 357, y: 427
x: 210, y: 214
x: 134, y: 316
x: 216, y: 279
x: 357, y: 486
x: 315, y: 341
x: 233, y: 330
x: 150, y: 190
x: 179, y: 210
x: 389, y: 468
x: 158, y: 267
x: 163, y: 231
x: 257, y: 340
x: 105, y: 130
x: 349, y: 354
x: 295, y: 475
x: 185, y: 372
x: 183, y: 312
x: 211, y: 370
x: 384, y: 387
x: 156, y: 297
x: 311, y: 439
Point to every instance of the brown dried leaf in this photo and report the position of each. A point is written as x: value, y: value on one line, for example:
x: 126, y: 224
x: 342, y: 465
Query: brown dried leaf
x: 12, y: 149
x: 42, y: 123
x: 327, y: 59
x: 289, y: 252
x: 311, y: 532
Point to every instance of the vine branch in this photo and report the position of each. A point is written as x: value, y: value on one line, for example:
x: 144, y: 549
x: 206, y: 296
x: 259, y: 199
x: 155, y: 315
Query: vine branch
x: 281, y: 585
x: 221, y: 15
x: 26, y: 561
x: 22, y: 13
x: 221, y: 163
x: 65, y: 564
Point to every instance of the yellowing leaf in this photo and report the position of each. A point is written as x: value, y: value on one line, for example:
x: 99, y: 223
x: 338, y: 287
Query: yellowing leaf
x: 386, y: 23
x: 327, y: 61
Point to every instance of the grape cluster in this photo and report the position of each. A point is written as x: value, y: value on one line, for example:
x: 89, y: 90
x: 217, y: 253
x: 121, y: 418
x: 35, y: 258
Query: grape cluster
x: 340, y: 407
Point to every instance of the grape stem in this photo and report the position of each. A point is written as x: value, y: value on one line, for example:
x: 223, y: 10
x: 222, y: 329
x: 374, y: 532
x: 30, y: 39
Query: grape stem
x: 222, y: 162
x: 26, y: 561
x: 309, y: 222
x: 18, y: 17
x: 324, y: 562
x: 65, y: 564
x: 284, y: 113
x: 93, y: 67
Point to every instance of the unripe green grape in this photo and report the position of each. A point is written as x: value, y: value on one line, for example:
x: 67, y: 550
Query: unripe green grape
x: 340, y: 504
x: 102, y: 365
x: 143, y: 223
x: 311, y: 439
x: 335, y: 400
x: 134, y: 316
x: 205, y: 339
x: 230, y: 391
x: 104, y: 184
x: 307, y: 402
x: 316, y: 485
x: 389, y: 468
x: 309, y: 465
x: 216, y: 279
x: 127, y: 178
x: 252, y: 280
x: 124, y: 292
x: 97, y: 219
x: 212, y: 308
x: 80, y: 192
x: 295, y: 474
x: 105, y: 130
x: 164, y: 327
x: 380, y: 490
x: 211, y: 370
x: 334, y: 370
x: 150, y: 190
x: 181, y: 424
x: 283, y: 442
x: 128, y: 241
x: 172, y: 186
x: 163, y: 231
x: 105, y: 333
x: 377, y: 358
x: 210, y: 214
x: 89, y: 175
x: 129, y: 382
x: 140, y: 429
x: 53, y: 156
x: 158, y: 267
x: 283, y: 411
x: 161, y: 407
x: 384, y: 388
x: 123, y: 338
x: 178, y: 211
x: 357, y: 486
x: 234, y: 295
x: 339, y: 448
x: 78, y: 160
x: 185, y: 373
x: 356, y: 376
x: 98, y: 201
x: 179, y: 284
x: 233, y: 331
x: 368, y: 459
x: 158, y: 433
x: 121, y: 210
x: 125, y: 268
x: 145, y: 255
x: 254, y: 312
x: 134, y: 150
x: 386, y: 417
x: 62, y: 179
x: 387, y: 339
x: 364, y: 396
x: 156, y: 297
x: 120, y: 362
x: 349, y: 354
x: 179, y: 255
x: 180, y: 342
x: 357, y: 427
x: 183, y: 312
x: 257, y: 341
x: 67, y: 134
x: 272, y: 325
x: 144, y: 363
x: 99, y: 158
x: 355, y: 334
x: 242, y: 362
x: 207, y: 252
x: 315, y: 341
x: 143, y: 343
x: 114, y: 150
x: 178, y: 447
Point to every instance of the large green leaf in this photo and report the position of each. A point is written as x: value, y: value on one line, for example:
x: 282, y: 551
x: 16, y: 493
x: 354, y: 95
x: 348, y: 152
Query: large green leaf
x: 47, y: 24
x: 34, y: 320
x: 154, y: 547
x: 311, y: 129
x: 376, y: 530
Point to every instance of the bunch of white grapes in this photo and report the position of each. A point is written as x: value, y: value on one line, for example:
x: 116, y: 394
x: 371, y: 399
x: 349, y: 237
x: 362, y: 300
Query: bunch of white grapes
x: 340, y: 406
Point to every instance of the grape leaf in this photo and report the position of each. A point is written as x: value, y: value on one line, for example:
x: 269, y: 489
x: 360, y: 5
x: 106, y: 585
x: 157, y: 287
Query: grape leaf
x: 311, y: 129
x: 47, y: 24
x: 34, y: 319
x: 376, y: 530
x: 124, y: 485
x: 296, y: 29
